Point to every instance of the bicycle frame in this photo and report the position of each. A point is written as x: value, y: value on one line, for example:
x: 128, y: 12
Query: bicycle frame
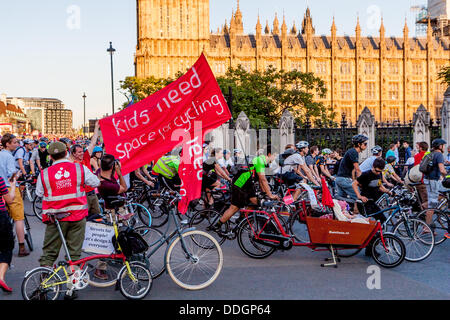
x: 82, y: 262
x: 176, y: 233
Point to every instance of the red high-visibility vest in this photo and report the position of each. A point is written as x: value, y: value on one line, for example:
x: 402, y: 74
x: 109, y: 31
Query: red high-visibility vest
x: 64, y: 191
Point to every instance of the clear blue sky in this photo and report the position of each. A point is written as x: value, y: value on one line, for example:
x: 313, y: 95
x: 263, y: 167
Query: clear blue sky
x: 46, y: 51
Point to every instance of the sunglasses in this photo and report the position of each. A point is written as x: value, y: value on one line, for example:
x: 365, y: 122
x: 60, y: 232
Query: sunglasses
x: 378, y: 171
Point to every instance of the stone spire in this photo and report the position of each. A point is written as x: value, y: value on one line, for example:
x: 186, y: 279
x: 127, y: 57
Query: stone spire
x: 276, y: 26
x: 382, y: 35
x: 358, y: 29
x: 294, y: 30
x: 333, y: 31
x: 238, y: 20
x: 225, y: 28
x: 267, y: 28
x: 382, y: 30
x: 307, y: 26
x: 405, y: 35
x: 284, y: 26
x: 258, y: 27
x: 358, y: 33
x: 429, y: 29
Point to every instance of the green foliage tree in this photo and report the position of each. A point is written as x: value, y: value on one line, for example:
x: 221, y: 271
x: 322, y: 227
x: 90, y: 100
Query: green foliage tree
x: 444, y: 75
x: 264, y: 96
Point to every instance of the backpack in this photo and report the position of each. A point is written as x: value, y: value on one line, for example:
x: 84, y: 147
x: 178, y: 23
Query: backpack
x: 282, y: 157
x: 426, y: 165
x: 130, y: 242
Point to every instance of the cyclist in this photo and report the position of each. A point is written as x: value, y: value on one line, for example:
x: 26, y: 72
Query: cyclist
x: 22, y: 156
x: 211, y: 173
x: 297, y: 163
x: 322, y: 161
x: 389, y: 172
x: 243, y: 190
x: 96, y: 157
x: 143, y: 175
x: 167, y: 168
x: 367, y: 164
x: 432, y: 180
x: 38, y: 161
x: 349, y: 167
x: 368, y: 188
x: 310, y: 160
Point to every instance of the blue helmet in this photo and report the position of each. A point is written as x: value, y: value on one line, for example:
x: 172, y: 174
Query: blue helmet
x: 97, y: 149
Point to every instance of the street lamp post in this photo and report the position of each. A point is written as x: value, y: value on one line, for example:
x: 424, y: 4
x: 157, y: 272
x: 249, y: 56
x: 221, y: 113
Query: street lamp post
x: 84, y: 114
x: 111, y: 51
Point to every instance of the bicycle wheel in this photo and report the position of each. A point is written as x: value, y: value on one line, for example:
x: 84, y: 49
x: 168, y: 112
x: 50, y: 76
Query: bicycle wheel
x: 390, y: 256
x: 191, y: 266
x: 103, y: 272
x: 439, y: 224
x: 34, y: 288
x: 246, y: 237
x: 157, y: 248
x: 137, y: 285
x: 143, y: 214
x: 37, y: 207
x: 417, y: 237
x: 28, y: 238
x: 159, y: 213
x: 299, y: 230
x: 204, y: 219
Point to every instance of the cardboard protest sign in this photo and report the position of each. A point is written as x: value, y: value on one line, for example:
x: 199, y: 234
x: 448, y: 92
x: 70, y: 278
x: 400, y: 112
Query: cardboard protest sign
x: 179, y: 114
x: 98, y: 238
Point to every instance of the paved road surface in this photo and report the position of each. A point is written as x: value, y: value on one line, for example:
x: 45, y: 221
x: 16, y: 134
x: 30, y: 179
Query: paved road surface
x: 294, y: 274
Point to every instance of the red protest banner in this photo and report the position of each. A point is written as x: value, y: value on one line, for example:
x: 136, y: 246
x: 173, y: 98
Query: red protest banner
x: 181, y: 113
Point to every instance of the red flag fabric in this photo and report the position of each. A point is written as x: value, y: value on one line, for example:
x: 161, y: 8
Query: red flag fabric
x: 179, y: 114
x: 327, y: 199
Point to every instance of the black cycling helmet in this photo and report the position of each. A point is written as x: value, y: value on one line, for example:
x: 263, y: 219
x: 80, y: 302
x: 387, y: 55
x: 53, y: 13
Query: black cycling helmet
x: 438, y: 142
x: 359, y: 138
x: 391, y: 159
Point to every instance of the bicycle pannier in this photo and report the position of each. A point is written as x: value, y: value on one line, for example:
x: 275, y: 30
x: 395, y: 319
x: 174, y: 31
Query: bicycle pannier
x: 130, y: 242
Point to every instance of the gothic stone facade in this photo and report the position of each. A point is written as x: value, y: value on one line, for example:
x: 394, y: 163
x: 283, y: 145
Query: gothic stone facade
x: 389, y: 75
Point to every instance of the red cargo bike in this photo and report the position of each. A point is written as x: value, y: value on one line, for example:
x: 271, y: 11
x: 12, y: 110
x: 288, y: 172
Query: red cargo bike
x: 262, y: 232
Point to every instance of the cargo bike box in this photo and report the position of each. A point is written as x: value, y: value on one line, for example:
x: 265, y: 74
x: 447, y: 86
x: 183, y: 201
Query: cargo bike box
x: 334, y: 232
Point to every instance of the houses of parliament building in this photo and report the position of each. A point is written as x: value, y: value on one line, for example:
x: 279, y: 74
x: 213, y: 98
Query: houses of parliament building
x: 392, y: 76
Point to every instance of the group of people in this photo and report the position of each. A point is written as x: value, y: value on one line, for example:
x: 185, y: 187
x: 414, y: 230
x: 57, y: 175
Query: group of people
x: 69, y: 176
x: 73, y: 174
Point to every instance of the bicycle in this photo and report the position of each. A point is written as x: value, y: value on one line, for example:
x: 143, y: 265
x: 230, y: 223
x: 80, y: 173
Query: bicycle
x: 261, y: 233
x: 192, y: 258
x: 415, y: 233
x: 134, y: 280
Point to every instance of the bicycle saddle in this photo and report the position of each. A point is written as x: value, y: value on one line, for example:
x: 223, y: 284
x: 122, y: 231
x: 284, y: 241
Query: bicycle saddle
x: 117, y: 201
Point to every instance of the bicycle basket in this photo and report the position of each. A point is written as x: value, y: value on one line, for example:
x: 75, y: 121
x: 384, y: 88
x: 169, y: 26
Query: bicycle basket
x: 130, y: 242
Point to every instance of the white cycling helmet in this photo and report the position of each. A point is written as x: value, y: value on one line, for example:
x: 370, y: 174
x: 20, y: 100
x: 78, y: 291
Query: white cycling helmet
x: 376, y: 150
x: 302, y: 144
x: 327, y: 151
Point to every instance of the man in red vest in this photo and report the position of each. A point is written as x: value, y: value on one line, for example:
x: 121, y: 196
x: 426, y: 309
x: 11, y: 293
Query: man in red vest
x: 63, y: 190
